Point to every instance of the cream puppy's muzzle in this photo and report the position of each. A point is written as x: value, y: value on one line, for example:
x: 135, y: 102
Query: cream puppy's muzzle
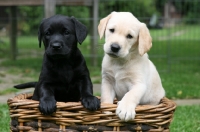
x: 113, y: 50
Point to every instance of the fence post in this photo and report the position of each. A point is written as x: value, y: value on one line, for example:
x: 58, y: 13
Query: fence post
x: 13, y: 32
x: 49, y: 8
x: 168, y: 24
x: 94, y: 35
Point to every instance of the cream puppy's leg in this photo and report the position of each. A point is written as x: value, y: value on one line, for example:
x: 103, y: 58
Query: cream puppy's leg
x: 107, y: 91
x: 126, y: 107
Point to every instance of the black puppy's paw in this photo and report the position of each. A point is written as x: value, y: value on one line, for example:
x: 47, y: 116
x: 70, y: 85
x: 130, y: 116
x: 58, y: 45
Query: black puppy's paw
x: 47, y: 106
x: 91, y: 103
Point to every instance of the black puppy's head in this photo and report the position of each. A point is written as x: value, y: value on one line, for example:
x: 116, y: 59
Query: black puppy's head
x: 60, y: 35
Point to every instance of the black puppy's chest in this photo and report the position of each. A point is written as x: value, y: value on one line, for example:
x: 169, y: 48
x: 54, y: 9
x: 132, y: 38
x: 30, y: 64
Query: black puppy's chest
x: 63, y: 74
x: 65, y: 83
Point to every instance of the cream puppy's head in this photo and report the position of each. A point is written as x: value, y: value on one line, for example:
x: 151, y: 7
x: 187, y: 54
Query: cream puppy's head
x: 124, y: 33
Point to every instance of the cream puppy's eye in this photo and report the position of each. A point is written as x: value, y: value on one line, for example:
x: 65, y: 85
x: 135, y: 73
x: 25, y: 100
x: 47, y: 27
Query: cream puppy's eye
x: 112, y: 30
x: 129, y: 36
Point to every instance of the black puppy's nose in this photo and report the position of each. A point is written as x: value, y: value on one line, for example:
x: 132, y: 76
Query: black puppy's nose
x: 115, y: 47
x: 56, y: 46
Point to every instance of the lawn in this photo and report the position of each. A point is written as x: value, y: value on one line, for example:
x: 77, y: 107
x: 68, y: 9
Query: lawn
x: 186, y: 119
x: 180, y: 32
x: 175, y: 53
x: 180, y: 75
x: 177, y: 60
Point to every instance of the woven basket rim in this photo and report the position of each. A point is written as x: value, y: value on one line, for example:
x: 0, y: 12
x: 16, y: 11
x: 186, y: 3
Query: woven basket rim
x: 25, y: 97
x: 22, y: 108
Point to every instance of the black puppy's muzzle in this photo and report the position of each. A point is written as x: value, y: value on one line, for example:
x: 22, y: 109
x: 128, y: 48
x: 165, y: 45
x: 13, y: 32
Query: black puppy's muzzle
x: 56, y: 45
x: 57, y: 50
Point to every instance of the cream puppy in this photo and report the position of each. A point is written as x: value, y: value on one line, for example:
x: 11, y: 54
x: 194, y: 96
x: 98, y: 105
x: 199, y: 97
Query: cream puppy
x: 127, y: 73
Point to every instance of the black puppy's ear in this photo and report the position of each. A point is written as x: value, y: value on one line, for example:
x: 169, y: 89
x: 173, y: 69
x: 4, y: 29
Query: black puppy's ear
x: 39, y: 38
x: 81, y: 30
x: 40, y: 33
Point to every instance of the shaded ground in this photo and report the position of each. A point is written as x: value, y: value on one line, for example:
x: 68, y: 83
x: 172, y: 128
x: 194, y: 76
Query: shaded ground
x: 9, y: 80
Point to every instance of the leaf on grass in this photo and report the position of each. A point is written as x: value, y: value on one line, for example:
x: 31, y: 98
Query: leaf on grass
x: 179, y: 92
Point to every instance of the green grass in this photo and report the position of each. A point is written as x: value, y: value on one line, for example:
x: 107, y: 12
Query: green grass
x: 186, y: 119
x: 177, y: 59
x: 8, y: 91
x: 176, y: 56
x: 180, y: 32
x: 5, y: 118
x: 181, y: 85
x: 25, y: 64
x: 178, y: 64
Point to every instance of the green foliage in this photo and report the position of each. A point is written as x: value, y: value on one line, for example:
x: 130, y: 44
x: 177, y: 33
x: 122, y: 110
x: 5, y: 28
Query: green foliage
x: 77, y: 11
x: 80, y: 12
x: 189, y: 9
x: 30, y: 17
x: 193, y: 12
x: 135, y: 6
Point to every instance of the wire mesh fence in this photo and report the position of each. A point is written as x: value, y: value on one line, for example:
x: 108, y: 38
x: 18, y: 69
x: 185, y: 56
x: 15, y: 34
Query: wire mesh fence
x: 174, y: 26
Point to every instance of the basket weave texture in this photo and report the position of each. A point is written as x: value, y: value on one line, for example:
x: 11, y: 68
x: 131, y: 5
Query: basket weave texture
x: 73, y: 117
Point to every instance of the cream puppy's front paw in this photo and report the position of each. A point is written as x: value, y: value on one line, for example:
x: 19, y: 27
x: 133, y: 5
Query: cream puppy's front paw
x: 125, y: 111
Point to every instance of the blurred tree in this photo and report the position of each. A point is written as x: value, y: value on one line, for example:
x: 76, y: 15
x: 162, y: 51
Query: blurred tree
x: 29, y: 18
x: 137, y: 7
x: 80, y: 12
x: 189, y: 9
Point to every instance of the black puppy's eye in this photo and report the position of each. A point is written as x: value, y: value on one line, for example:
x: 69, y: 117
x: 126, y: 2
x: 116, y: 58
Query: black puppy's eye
x: 112, y: 30
x: 47, y: 33
x: 66, y: 32
x: 129, y: 36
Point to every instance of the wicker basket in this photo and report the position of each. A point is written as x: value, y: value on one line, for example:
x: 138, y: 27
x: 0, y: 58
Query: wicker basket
x: 71, y: 116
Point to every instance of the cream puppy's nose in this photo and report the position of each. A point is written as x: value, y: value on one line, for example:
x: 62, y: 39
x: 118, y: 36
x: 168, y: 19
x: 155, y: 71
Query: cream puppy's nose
x: 115, y: 47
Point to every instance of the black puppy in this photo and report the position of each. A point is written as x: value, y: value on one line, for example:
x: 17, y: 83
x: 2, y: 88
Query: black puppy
x: 64, y: 75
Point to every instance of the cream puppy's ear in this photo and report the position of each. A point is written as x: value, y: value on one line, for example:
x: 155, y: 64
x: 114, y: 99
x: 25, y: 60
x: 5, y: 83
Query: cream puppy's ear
x: 102, y: 25
x: 145, y: 40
